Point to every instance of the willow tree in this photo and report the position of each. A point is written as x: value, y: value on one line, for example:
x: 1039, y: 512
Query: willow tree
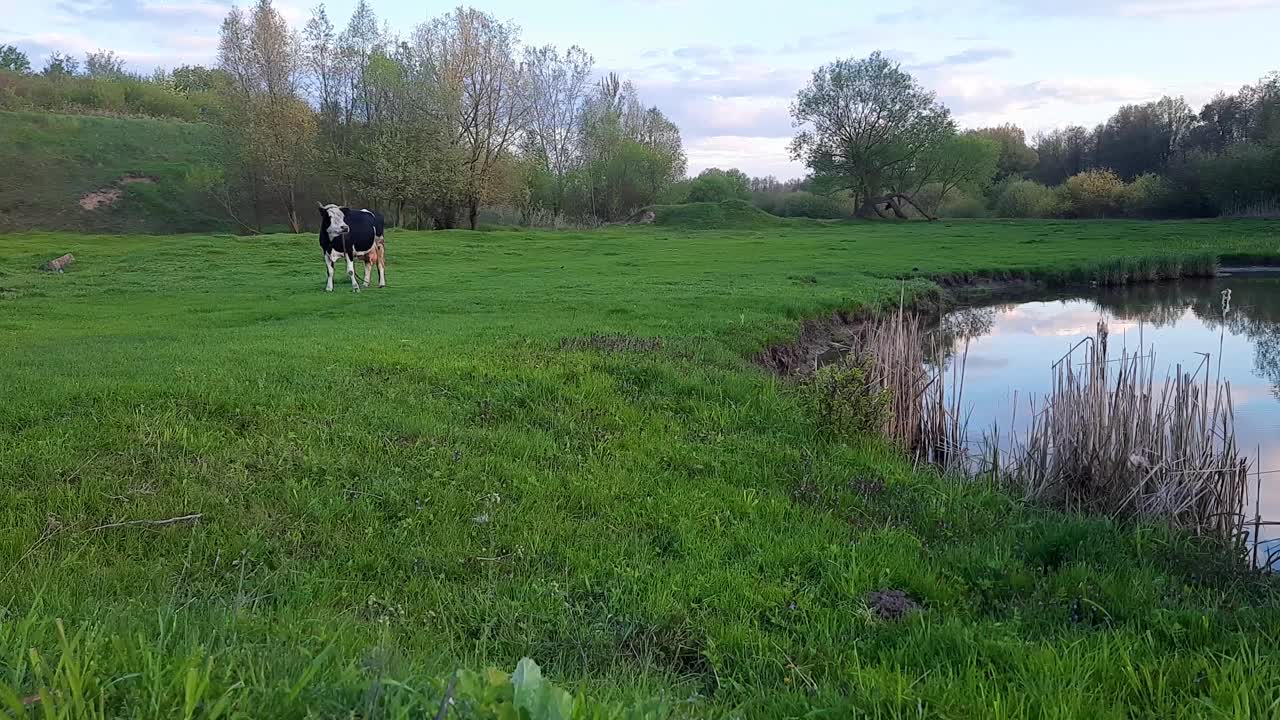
x: 868, y: 128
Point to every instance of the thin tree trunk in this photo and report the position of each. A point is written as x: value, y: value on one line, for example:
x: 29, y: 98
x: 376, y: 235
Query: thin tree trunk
x: 473, y: 212
x: 921, y: 210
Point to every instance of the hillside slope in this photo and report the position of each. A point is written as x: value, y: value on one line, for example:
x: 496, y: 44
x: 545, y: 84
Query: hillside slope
x: 54, y: 162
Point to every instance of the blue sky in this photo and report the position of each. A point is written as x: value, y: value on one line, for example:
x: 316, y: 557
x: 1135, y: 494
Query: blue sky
x: 726, y: 71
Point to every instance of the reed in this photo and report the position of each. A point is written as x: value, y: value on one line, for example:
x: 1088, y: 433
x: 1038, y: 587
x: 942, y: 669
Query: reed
x: 909, y: 366
x: 1112, y: 437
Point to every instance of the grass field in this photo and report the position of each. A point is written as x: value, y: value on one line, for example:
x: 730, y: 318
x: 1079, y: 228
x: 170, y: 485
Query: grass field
x: 555, y: 445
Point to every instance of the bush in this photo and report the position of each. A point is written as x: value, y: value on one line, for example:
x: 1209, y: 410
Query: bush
x: 716, y: 185
x: 111, y: 96
x: 677, y: 193
x: 1020, y: 198
x: 845, y: 404
x: 1095, y: 194
x: 963, y: 205
x: 802, y: 204
x: 1148, y: 196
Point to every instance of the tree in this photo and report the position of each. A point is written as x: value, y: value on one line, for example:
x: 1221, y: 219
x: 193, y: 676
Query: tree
x: 470, y: 57
x: 1062, y: 153
x: 1140, y: 139
x: 632, y: 153
x: 1016, y: 157
x: 14, y: 60
x: 273, y: 129
x: 866, y: 122
x: 189, y: 79
x: 967, y: 162
x: 357, y: 45
x: 716, y: 185
x: 558, y: 88
x: 60, y: 65
x: 103, y: 64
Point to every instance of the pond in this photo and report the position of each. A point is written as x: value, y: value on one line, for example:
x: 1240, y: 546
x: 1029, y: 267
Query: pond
x: 1012, y: 346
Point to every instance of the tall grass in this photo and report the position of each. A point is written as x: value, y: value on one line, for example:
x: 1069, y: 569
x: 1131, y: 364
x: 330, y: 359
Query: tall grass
x: 1115, y: 438
x: 1111, y: 438
x: 1128, y: 270
x: 905, y: 362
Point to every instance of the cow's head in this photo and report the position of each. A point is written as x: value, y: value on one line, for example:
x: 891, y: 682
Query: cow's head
x: 332, y: 220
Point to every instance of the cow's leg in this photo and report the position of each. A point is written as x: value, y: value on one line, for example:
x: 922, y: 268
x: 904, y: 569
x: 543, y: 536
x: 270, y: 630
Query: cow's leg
x: 328, y: 263
x: 368, y: 269
x: 351, y: 273
x: 382, y: 263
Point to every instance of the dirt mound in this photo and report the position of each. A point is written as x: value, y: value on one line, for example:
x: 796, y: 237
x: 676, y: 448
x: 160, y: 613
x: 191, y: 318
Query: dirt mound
x: 107, y: 196
x: 891, y: 604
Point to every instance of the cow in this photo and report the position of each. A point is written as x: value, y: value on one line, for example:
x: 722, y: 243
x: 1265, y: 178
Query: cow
x: 353, y: 234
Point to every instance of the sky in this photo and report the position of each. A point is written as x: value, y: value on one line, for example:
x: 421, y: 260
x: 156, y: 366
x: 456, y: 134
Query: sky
x: 726, y: 72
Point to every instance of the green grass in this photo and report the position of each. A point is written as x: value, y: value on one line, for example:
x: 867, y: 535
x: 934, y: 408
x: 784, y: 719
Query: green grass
x: 51, y: 161
x: 554, y: 445
x: 727, y: 215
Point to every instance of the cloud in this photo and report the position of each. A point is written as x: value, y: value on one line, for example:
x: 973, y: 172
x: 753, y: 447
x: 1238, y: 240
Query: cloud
x: 756, y: 156
x: 1139, y: 8
x: 698, y: 52
x: 841, y: 41
x: 167, y: 11
x: 909, y: 13
x: 168, y: 50
x: 933, y: 10
x: 972, y: 56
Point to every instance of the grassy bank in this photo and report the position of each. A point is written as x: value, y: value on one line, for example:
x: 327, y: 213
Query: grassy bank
x: 51, y: 161
x: 552, y: 445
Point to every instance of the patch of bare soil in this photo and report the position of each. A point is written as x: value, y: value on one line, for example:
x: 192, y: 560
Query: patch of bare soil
x: 107, y: 196
x: 818, y: 339
x: 891, y: 605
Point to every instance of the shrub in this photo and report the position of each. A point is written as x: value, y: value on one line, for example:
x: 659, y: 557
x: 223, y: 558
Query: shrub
x: 844, y: 401
x: 677, y: 193
x: 113, y: 96
x: 1148, y: 196
x: 1094, y: 194
x: 802, y: 204
x: 963, y: 205
x: 716, y: 185
x: 1020, y: 198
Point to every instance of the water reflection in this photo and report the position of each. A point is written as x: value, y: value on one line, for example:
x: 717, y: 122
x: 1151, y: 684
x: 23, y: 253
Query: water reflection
x: 1012, y: 346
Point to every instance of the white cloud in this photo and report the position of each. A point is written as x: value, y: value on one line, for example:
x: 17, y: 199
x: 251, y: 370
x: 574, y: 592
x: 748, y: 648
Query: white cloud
x: 747, y: 115
x: 1140, y: 8
x: 756, y: 156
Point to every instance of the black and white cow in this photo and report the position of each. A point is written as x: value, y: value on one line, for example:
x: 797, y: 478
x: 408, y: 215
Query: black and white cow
x: 353, y: 234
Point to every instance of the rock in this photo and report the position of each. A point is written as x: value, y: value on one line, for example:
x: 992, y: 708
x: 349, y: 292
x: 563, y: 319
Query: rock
x: 59, y: 264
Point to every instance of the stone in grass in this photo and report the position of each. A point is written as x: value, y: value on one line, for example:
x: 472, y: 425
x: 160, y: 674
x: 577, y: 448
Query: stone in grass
x: 890, y: 604
x: 58, y: 264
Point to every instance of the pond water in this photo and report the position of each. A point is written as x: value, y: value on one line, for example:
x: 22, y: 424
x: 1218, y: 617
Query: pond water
x: 1012, y: 346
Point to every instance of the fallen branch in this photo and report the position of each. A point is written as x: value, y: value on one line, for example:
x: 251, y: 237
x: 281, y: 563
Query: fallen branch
x: 194, y: 517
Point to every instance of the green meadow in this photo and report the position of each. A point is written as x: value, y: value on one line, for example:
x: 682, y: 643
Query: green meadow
x: 227, y: 493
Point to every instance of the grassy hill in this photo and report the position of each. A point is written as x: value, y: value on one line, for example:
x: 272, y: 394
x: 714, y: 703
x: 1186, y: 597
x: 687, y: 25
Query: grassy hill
x: 52, y: 161
x: 555, y: 445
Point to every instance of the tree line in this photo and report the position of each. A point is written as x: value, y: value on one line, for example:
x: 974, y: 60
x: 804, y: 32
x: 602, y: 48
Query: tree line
x: 871, y: 132
x: 457, y: 116
x: 431, y: 126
